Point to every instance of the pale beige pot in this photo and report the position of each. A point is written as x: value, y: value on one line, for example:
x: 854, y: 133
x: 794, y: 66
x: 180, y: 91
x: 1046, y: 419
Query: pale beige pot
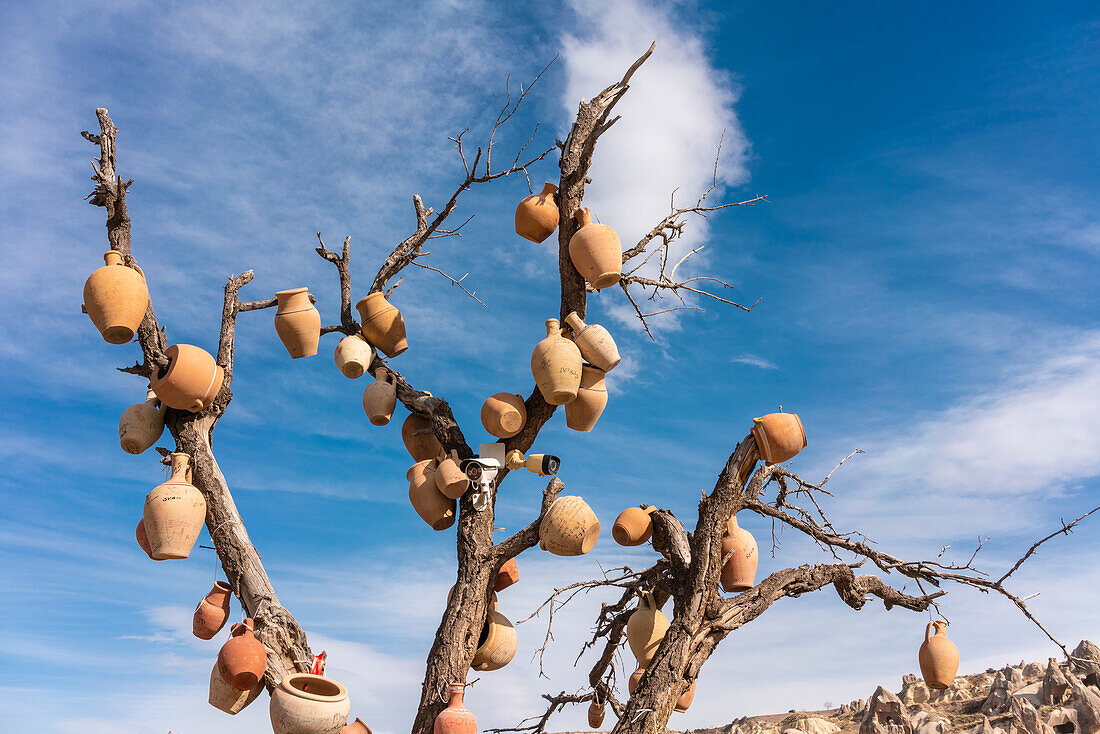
x: 685, y: 699
x: 116, y: 298
x: 298, y: 323
x: 212, y: 612
x: 645, y: 629
x: 497, y: 645
x: 419, y: 440
x: 356, y: 727
x: 225, y: 697
x: 633, y: 526
x: 304, y: 703
x: 595, y: 342
x: 174, y: 513
x: 141, y: 425
x: 382, y: 324
x: 582, y: 412
x: 938, y: 657
x: 380, y: 397
x: 537, y: 215
x: 595, y: 714
x: 450, y: 480
x: 507, y: 575
x: 353, y: 356
x: 739, y: 572
x: 569, y: 528
x: 556, y: 366
x: 779, y: 436
x: 596, y: 251
x: 433, y: 506
x: 503, y: 415
x: 192, y: 380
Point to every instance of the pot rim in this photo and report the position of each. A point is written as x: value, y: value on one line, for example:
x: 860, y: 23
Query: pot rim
x: 370, y: 296
x: 285, y: 685
x: 291, y: 291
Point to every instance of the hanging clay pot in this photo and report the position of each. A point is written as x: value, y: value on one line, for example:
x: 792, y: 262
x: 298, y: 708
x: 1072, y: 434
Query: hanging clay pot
x: 596, y: 251
x: 595, y: 714
x: 225, y: 697
x: 450, y: 480
x: 143, y: 540
x: 382, y: 324
x: 503, y: 415
x: 633, y: 526
x: 191, y: 381
x: 242, y: 659
x: 433, y: 507
x: 537, y: 215
x: 595, y: 342
x: 353, y: 356
x: 212, y: 612
x: 380, y: 397
x: 645, y: 629
x: 356, y: 727
x: 174, y: 513
x: 635, y: 679
x: 507, y: 575
x: 569, y: 528
x: 497, y: 645
x: 298, y: 323
x: 779, y: 436
x: 556, y: 366
x: 116, y: 298
x: 420, y: 441
x: 456, y: 718
x: 938, y: 657
x: 739, y: 572
x: 141, y: 425
x: 304, y: 703
x: 685, y: 699
x: 582, y: 413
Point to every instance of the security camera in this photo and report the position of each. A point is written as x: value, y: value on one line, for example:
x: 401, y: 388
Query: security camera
x: 541, y: 464
x: 482, y: 471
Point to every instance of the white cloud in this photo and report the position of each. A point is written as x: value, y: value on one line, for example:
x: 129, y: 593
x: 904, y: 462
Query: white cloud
x: 754, y: 361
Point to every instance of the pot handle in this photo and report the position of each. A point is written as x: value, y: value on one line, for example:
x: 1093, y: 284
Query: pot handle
x: 928, y: 632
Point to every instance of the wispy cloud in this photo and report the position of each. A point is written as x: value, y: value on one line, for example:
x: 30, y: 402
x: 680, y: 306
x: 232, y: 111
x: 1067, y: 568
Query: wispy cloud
x: 754, y: 361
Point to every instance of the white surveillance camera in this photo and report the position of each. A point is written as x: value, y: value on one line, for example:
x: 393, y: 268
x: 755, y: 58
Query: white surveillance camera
x: 482, y: 471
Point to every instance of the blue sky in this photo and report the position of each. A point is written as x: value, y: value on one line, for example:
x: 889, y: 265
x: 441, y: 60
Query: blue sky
x: 927, y: 266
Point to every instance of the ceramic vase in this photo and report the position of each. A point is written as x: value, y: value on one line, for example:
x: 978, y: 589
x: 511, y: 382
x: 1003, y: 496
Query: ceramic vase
x: 645, y: 629
x: 174, y: 513
x: 595, y: 714
x: 116, y: 298
x: 685, y: 699
x: 779, y: 436
x: 380, y: 397
x: 225, y: 697
x: 596, y: 251
x: 456, y: 718
x: 356, y: 727
x: 595, y: 342
x: 298, y: 323
x: 556, y: 366
x: 739, y: 571
x: 382, y: 324
x: 450, y: 480
x: 582, y: 412
x: 507, y: 575
x: 353, y: 356
x: 503, y: 415
x: 242, y: 659
x: 304, y: 703
x: 569, y: 527
x: 433, y: 507
x: 141, y: 425
x: 938, y: 657
x: 537, y: 215
x: 635, y: 679
x: 419, y: 440
x: 212, y: 612
x: 633, y: 526
x: 497, y: 645
x: 191, y: 381
x: 143, y: 540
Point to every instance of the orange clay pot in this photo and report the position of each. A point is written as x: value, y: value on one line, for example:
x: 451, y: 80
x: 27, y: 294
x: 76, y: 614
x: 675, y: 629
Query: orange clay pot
x: 225, y: 697
x: 507, y: 575
x: 569, y: 528
x: 174, y: 513
x: 633, y: 526
x: 456, y: 718
x: 212, y: 612
x: 143, y: 541
x: 116, y: 298
x: 242, y: 659
x: 503, y: 415
x: 353, y: 356
x: 645, y: 629
x: 420, y: 441
x: 685, y: 699
x: 582, y: 412
x: 433, y: 507
x: 451, y: 481
x: 595, y: 714
x: 380, y: 397
x: 192, y: 380
x: 304, y: 703
x: 497, y: 645
x: 382, y: 324
x: 556, y: 366
x: 635, y: 679
x: 356, y: 727
x: 779, y: 436
x: 298, y: 323
x: 596, y: 251
x: 595, y: 342
x: 739, y: 572
x: 537, y: 215
x: 938, y: 657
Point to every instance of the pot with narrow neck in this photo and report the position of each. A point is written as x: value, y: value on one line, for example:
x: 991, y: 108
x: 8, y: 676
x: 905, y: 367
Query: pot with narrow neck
x: 456, y: 718
x: 242, y: 659
x: 596, y: 251
x: 380, y: 397
x: 739, y: 571
x: 595, y: 342
x: 141, y: 425
x: 298, y: 323
x: 537, y: 215
x: 116, y: 298
x: 556, y: 366
x: 212, y: 612
x: 645, y: 629
x: 938, y: 657
x: 174, y: 513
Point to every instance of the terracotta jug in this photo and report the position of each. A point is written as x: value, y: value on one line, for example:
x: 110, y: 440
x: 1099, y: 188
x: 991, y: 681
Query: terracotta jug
x: 497, y: 645
x: 569, y: 528
x: 353, y: 356
x: 433, y: 507
x: 685, y: 699
x: 645, y: 629
x: 356, y: 727
x: 456, y: 718
x: 537, y: 215
x: 225, y: 697
x: 419, y: 440
x: 596, y: 251
x: 635, y: 679
x: 507, y: 575
x: 143, y: 541
x: 503, y: 415
x: 242, y: 659
x: 382, y: 324
x: 116, y: 298
x: 633, y: 526
x: 556, y: 366
x: 739, y: 572
x: 451, y: 481
x: 779, y: 436
x: 595, y: 713
x: 595, y: 342
x: 191, y: 381
x: 174, y: 513
x: 298, y: 323
x: 304, y: 703
x: 938, y: 657
x: 141, y: 425
x: 212, y: 612
x: 582, y: 413
x: 380, y: 397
